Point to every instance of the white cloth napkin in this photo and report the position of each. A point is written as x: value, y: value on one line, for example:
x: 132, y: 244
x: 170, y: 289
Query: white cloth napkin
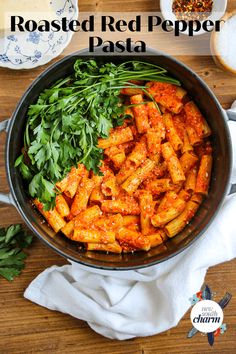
x: 127, y: 304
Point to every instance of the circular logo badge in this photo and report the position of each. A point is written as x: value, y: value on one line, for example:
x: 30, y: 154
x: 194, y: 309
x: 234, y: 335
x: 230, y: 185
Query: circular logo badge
x: 207, y: 316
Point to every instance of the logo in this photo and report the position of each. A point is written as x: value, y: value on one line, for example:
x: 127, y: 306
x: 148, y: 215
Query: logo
x: 207, y: 315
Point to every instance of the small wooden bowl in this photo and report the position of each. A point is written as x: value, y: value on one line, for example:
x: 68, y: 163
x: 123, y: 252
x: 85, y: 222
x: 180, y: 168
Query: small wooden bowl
x: 219, y: 60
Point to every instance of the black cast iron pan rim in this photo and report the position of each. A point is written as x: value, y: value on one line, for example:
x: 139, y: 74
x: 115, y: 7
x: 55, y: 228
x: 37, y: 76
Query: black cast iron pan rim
x: 85, y: 52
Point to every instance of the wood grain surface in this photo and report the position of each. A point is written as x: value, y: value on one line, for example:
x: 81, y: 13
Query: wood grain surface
x: 28, y: 328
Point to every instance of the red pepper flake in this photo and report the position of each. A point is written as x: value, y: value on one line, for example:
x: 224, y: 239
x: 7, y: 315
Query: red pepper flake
x: 192, y: 9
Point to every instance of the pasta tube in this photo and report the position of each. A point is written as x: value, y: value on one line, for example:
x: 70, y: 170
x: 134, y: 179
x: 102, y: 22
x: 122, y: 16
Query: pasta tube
x: 146, y: 208
x: 109, y: 247
x: 93, y: 236
x: 157, y: 238
x: 183, y: 194
x: 70, y: 183
x: 132, y: 183
x: 82, y: 196
x: 110, y: 223
x: 155, y: 119
x: 194, y: 139
x: 168, y: 95
x: 96, y: 195
x: 167, y: 201
x: 187, y: 161
x: 109, y: 186
x: 171, y: 133
x: 120, y: 206
x: 116, y: 155
x: 196, y: 120
x: 178, y: 224
x: 83, y: 219
x: 131, y: 220
x: 116, y: 137
x: 186, y: 143
x: 68, y: 229
x: 204, y: 175
x: 158, y: 186
x: 133, y: 239
x: 62, y: 206
x: 191, y: 180
x: 173, y: 164
x: 140, y: 113
x: 180, y: 126
x: 154, y: 144
x: 88, y: 216
x: 164, y: 216
x: 54, y: 219
x: 133, y: 161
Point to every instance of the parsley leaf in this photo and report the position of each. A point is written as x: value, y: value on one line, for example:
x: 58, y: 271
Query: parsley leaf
x: 12, y: 240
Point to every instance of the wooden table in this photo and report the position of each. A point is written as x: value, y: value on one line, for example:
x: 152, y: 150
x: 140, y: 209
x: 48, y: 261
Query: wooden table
x: 28, y: 328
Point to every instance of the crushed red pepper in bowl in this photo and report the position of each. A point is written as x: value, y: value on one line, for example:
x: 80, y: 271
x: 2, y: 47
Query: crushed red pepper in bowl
x: 192, y: 9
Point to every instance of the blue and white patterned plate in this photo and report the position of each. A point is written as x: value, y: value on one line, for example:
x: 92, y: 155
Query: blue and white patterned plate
x: 29, y: 50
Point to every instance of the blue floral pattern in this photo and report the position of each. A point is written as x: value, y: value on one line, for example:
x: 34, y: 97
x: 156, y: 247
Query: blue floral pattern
x: 12, y: 38
x: 4, y: 58
x: 28, y: 50
x: 37, y: 54
x: 34, y: 37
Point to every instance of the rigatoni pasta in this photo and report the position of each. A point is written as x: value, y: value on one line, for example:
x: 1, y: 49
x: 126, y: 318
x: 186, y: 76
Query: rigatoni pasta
x: 116, y: 137
x: 146, y: 211
x: 133, y: 161
x: 163, y: 217
x: 155, y: 174
x: 177, y: 225
x: 168, y: 95
x: 171, y: 132
x: 105, y: 247
x: 62, y: 206
x: 54, y: 219
x: 82, y: 195
x: 133, y: 182
x: 70, y: 183
x: 196, y: 120
x: 140, y: 113
x: 204, y: 175
x: 173, y: 163
x: 187, y: 161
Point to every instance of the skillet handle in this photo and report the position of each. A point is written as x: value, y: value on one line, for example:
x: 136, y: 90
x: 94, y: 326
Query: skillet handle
x: 4, y: 125
x: 231, y: 115
x: 5, y: 198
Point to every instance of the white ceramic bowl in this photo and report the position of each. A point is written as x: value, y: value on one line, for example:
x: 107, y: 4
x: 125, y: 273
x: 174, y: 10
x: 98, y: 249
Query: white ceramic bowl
x: 220, y: 55
x: 29, y: 50
x: 218, y: 10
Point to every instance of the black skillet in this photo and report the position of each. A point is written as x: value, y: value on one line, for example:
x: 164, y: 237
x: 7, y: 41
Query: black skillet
x: 220, y: 183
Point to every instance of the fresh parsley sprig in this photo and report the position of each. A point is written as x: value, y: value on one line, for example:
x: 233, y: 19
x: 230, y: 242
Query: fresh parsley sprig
x: 64, y: 125
x: 12, y: 241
